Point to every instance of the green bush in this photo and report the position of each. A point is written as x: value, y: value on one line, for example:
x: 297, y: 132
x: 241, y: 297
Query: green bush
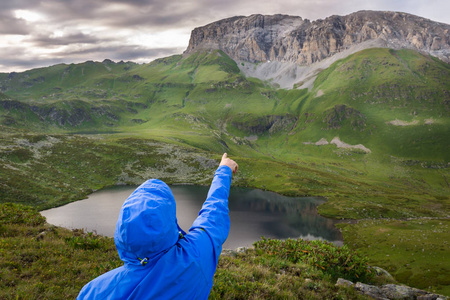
x: 11, y: 213
x: 88, y: 241
x: 333, y: 260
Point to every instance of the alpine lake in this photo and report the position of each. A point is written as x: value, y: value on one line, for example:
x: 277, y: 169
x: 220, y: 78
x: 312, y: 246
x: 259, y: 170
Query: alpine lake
x: 253, y: 214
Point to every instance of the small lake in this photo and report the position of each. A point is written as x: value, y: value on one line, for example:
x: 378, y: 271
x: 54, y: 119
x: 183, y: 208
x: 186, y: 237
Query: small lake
x: 253, y: 213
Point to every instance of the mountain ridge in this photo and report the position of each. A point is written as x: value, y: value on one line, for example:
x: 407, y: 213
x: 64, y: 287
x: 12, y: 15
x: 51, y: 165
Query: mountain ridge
x: 289, y: 51
x: 285, y: 38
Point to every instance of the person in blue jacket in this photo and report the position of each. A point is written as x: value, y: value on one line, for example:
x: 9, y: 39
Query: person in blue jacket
x: 160, y: 260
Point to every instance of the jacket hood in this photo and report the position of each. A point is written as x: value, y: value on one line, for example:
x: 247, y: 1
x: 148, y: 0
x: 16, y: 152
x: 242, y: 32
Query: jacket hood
x: 147, y: 223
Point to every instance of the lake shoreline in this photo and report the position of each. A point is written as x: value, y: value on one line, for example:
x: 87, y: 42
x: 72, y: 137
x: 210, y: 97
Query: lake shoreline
x: 261, y: 213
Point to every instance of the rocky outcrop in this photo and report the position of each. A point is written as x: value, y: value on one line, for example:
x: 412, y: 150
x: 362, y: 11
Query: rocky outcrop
x: 283, y: 38
x: 339, y: 114
x: 390, y: 291
x: 62, y: 117
x: 260, y: 125
x: 340, y: 144
x: 64, y: 113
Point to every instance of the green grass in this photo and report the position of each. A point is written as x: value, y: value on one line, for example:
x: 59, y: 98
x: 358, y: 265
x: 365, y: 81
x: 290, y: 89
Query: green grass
x: 383, y: 85
x: 415, y: 252
x: 40, y: 261
x: 256, y: 274
x: 45, y: 171
x: 337, y: 262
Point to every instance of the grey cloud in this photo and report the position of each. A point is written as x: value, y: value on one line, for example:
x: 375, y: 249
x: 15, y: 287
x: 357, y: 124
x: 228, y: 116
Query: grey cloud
x: 155, y: 14
x: 11, y: 25
x: 18, y: 4
x: 133, y: 2
x: 18, y: 58
x: 157, y: 22
x: 123, y: 52
x: 10, y: 52
x: 26, y: 64
x: 72, y: 11
x: 77, y: 38
x: 162, y: 14
x: 24, y: 61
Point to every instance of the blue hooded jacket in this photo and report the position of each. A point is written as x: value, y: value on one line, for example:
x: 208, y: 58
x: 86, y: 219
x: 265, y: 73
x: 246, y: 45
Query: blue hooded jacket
x: 160, y: 263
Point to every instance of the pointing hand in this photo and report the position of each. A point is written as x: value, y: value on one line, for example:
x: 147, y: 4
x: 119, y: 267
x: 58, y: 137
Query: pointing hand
x: 229, y: 162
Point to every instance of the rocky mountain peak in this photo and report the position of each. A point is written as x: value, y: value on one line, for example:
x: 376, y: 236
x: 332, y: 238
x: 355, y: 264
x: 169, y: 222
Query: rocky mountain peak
x: 283, y: 38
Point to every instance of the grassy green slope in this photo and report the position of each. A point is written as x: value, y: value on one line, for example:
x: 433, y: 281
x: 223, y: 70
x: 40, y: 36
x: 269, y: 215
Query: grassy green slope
x: 383, y: 86
x: 160, y: 115
x: 378, y: 86
x: 64, y: 81
x: 202, y: 101
x: 356, y: 99
x: 405, y: 173
x: 414, y: 251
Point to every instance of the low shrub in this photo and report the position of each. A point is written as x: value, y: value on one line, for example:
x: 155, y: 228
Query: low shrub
x: 86, y: 241
x: 11, y: 213
x: 333, y: 260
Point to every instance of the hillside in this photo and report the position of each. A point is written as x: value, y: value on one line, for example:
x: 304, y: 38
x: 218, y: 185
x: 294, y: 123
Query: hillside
x: 371, y: 135
x: 368, y: 98
x: 375, y: 108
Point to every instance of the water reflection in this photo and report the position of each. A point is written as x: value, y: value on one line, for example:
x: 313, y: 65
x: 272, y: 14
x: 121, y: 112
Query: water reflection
x: 281, y: 217
x: 253, y: 213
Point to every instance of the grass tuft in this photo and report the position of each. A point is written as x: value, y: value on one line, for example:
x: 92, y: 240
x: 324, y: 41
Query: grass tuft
x: 333, y: 260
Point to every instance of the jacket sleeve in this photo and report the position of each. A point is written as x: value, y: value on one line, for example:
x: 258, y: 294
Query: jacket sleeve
x: 214, y: 217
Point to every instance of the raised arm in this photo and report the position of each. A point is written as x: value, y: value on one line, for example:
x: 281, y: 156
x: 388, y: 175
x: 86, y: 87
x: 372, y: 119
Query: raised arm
x: 213, y: 217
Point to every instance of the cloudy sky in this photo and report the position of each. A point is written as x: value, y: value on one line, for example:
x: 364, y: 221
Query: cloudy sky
x: 39, y: 33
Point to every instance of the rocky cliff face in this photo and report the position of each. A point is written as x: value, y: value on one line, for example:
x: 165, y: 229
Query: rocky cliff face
x: 295, y: 40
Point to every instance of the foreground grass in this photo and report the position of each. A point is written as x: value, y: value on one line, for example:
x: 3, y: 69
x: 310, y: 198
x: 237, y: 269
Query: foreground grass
x: 260, y: 275
x: 415, y: 252
x: 40, y: 261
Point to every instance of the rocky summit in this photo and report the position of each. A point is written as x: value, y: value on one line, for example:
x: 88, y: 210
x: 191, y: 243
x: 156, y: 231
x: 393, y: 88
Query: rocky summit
x: 283, y: 38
